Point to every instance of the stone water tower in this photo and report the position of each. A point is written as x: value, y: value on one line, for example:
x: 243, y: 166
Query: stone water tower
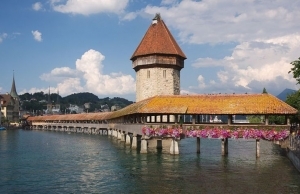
x: 157, y: 62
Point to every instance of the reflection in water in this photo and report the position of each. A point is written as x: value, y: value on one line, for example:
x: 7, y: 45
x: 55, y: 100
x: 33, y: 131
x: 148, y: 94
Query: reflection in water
x: 51, y: 162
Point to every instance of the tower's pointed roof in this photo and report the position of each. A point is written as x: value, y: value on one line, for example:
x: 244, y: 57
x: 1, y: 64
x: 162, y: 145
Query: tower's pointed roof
x: 13, y: 91
x: 57, y: 99
x: 158, y: 40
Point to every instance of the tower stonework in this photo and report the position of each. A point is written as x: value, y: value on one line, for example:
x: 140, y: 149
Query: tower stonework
x: 157, y: 61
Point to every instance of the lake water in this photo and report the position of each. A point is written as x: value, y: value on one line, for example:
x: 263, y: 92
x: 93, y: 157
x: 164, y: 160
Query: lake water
x: 58, y: 162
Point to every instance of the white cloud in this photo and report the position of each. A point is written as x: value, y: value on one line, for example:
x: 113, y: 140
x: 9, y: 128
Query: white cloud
x: 201, y: 82
x: 266, y: 35
x: 37, y: 35
x: 89, y: 7
x: 208, y: 62
x: 71, y: 85
x: 129, y: 16
x: 59, y: 73
x: 91, y: 66
x: 37, y: 6
x: 254, y: 65
x: 89, y: 76
x: 222, y: 21
x: 2, y: 37
x: 168, y: 2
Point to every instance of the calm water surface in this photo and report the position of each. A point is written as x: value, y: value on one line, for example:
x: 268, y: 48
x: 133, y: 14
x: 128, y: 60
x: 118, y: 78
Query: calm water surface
x: 57, y: 162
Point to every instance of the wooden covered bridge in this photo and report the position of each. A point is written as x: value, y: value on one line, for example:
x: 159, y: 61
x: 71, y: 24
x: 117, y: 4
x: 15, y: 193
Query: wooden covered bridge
x: 157, y: 121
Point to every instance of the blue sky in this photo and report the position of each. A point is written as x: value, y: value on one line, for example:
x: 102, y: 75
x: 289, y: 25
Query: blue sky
x: 76, y: 46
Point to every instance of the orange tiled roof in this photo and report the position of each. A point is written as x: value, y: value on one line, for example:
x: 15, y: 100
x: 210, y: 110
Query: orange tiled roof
x: 72, y: 117
x: 158, y: 40
x: 209, y: 104
x: 190, y: 104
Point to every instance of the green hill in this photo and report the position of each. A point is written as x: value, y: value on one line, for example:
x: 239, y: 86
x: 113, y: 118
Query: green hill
x: 39, y: 101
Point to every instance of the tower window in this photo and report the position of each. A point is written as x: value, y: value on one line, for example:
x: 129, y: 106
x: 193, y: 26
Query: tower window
x: 164, y: 73
x: 148, y: 74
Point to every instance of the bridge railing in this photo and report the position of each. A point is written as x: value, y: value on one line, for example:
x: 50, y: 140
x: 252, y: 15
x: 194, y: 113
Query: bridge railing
x: 92, y: 125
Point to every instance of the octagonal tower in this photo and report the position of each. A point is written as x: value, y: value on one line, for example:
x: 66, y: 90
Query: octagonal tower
x: 157, y: 62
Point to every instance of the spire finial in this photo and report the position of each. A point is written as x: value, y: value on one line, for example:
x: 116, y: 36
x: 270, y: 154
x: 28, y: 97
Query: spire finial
x: 49, y: 100
x: 57, y: 100
x: 157, y: 16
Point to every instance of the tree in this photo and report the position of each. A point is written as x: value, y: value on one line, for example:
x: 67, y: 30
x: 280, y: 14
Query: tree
x: 296, y: 70
x: 277, y: 119
x: 264, y: 91
x: 254, y: 118
x: 294, y: 101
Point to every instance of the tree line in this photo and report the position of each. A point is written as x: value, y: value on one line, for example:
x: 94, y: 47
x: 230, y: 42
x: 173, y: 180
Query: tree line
x: 39, y: 101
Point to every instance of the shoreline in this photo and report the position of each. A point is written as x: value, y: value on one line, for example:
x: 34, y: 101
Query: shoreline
x: 294, y: 158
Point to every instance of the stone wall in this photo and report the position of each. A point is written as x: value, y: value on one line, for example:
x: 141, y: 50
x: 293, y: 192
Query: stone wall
x: 157, y: 81
x: 293, y: 150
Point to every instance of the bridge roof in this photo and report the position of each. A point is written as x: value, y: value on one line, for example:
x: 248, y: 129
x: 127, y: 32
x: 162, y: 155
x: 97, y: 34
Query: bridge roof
x: 72, y: 117
x: 214, y: 104
x: 209, y: 104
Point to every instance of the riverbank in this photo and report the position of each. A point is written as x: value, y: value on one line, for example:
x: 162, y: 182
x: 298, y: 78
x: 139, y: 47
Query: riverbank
x: 291, y: 146
x: 294, y: 156
x: 12, y: 127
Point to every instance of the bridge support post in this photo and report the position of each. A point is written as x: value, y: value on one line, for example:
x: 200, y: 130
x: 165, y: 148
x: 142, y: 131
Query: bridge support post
x: 198, y: 145
x: 122, y: 136
x: 127, y: 140
x: 119, y: 136
x: 257, y: 148
x: 224, y: 146
x: 134, y: 142
x: 174, y: 147
x: 144, y: 146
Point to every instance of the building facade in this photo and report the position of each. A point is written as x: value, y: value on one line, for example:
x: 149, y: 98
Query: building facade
x: 10, y: 105
x: 157, y: 62
x: 53, y: 107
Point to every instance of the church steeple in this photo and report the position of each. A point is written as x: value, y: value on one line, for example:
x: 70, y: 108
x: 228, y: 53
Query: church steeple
x: 57, y: 99
x: 13, y: 91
